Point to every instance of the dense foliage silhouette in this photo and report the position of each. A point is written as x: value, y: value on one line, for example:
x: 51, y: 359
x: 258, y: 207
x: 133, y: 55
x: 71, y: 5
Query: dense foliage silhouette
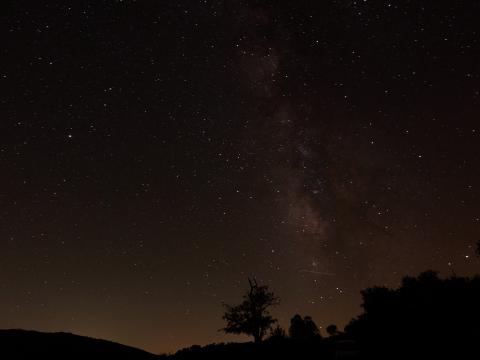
x: 426, y: 315
x: 303, y: 329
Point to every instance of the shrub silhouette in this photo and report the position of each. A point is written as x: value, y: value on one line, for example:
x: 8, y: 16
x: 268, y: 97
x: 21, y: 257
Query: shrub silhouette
x: 332, y: 330
x: 277, y: 334
x: 251, y: 317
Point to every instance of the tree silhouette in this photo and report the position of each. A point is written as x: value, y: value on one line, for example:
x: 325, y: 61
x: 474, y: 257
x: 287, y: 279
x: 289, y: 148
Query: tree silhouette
x: 303, y: 328
x: 311, y: 329
x: 251, y: 317
x: 296, y: 327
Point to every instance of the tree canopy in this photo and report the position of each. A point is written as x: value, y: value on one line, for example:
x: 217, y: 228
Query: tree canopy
x: 303, y: 329
x: 424, y: 312
x: 252, y: 316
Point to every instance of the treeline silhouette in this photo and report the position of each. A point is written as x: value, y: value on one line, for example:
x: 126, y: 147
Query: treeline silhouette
x: 425, y: 317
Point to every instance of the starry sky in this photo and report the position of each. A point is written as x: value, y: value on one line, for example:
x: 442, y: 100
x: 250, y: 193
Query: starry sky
x: 155, y: 154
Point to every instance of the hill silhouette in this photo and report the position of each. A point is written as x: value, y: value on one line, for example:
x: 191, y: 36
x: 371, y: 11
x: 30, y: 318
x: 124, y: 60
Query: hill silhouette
x: 23, y: 344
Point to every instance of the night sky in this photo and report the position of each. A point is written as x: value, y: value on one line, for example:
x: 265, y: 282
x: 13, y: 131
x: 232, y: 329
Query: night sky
x: 155, y: 154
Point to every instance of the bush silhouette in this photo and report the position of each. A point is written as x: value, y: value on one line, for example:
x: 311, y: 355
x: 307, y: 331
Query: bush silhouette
x: 332, y: 330
x: 277, y: 334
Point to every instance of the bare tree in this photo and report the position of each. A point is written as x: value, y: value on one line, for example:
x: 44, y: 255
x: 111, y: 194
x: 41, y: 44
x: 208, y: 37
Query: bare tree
x: 251, y: 317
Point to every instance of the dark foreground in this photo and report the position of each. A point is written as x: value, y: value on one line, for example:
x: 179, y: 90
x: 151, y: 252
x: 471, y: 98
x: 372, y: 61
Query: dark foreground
x: 425, y: 318
x: 24, y: 344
